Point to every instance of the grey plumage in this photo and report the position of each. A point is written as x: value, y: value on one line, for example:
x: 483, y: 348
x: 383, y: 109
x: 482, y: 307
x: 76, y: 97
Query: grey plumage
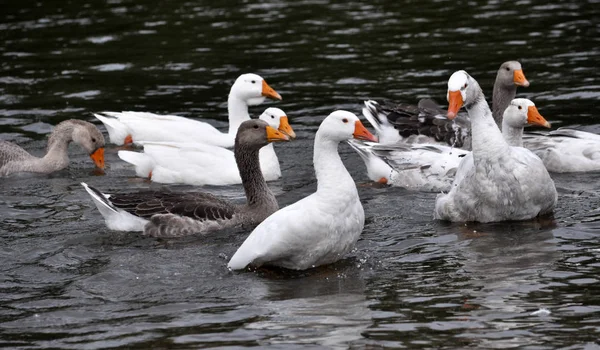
x: 14, y: 159
x: 172, y: 214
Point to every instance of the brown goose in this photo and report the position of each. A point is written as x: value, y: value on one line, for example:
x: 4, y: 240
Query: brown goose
x: 170, y: 214
x: 397, y: 121
x: 14, y: 159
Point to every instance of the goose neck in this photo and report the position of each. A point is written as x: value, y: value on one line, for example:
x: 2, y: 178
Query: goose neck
x: 257, y: 192
x: 512, y: 135
x: 329, y: 168
x: 237, y: 110
x: 502, y: 95
x: 57, y: 152
x: 487, y: 140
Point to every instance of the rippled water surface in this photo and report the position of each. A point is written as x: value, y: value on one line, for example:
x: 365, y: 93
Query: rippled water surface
x: 68, y: 282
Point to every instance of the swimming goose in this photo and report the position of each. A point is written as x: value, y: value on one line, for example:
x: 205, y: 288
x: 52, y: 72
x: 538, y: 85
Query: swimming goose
x: 132, y: 127
x: 199, y: 164
x: 14, y: 159
x: 318, y: 229
x: 398, y: 121
x: 431, y: 167
x: 496, y: 182
x: 169, y: 214
x: 566, y: 150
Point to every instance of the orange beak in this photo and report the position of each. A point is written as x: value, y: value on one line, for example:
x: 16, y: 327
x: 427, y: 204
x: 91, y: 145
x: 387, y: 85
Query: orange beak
x: 534, y: 117
x: 274, y: 135
x: 519, y: 78
x: 361, y: 133
x: 128, y: 140
x: 268, y: 91
x: 455, y: 101
x: 284, y: 127
x: 98, y: 157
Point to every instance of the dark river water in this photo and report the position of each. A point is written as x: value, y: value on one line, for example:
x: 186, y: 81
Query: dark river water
x: 411, y: 282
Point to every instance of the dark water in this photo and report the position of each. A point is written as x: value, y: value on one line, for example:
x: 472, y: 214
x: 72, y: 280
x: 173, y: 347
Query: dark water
x: 68, y: 282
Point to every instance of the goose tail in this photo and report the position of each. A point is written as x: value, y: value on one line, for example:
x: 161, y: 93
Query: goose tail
x: 144, y: 164
x: 101, y: 201
x: 118, y: 132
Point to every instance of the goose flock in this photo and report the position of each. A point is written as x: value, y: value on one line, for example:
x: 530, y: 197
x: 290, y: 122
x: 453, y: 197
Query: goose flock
x: 485, y: 168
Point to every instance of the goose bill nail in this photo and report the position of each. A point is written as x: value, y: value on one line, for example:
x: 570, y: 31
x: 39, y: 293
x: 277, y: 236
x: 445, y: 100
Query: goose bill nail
x: 519, y: 78
x: 274, y: 135
x: 268, y: 91
x: 98, y: 157
x: 455, y: 102
x: 534, y: 117
x: 361, y: 133
x: 286, y: 128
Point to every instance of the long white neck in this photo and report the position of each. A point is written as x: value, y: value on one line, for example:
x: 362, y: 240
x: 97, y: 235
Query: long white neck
x: 238, y: 113
x: 268, y: 160
x: 487, y: 140
x: 512, y: 135
x: 332, y: 175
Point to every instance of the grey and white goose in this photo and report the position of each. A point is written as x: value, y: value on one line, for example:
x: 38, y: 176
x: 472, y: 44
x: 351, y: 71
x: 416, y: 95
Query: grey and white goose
x: 14, y: 159
x: 396, y: 122
x: 171, y: 214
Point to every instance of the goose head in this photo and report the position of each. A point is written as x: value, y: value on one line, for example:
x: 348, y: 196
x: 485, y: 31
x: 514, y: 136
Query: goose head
x: 343, y: 125
x: 252, y: 89
x: 91, y: 139
x: 510, y: 73
x: 462, y: 90
x: 521, y: 112
x: 277, y: 119
x: 256, y: 133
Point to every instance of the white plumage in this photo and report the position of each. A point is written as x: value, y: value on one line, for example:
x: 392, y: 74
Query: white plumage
x: 496, y: 182
x: 566, y: 150
x: 201, y: 164
x: 321, y: 228
x: 133, y: 127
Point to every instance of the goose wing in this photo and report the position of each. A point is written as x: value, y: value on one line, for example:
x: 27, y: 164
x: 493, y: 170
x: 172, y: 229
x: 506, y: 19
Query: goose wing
x: 198, y: 206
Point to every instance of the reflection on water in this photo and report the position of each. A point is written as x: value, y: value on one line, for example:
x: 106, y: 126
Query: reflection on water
x: 68, y: 282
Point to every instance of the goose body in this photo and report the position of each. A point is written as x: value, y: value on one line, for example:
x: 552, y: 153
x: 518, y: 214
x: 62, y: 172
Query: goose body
x: 169, y: 214
x: 430, y: 121
x: 566, y: 150
x: 134, y: 127
x: 321, y: 228
x: 14, y: 159
x: 496, y: 182
x: 431, y: 167
x: 201, y: 164
x: 421, y: 167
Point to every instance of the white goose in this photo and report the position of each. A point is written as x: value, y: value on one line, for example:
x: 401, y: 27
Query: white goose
x: 133, y: 127
x: 199, y: 164
x: 318, y: 229
x: 566, y: 150
x: 431, y: 167
x: 496, y: 182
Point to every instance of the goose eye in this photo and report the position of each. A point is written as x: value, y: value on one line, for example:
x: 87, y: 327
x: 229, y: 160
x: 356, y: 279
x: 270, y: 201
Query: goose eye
x: 93, y: 140
x: 255, y: 126
x: 253, y: 81
x: 507, y: 69
x: 345, y: 120
x: 464, y: 87
x: 272, y: 117
x: 520, y: 107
